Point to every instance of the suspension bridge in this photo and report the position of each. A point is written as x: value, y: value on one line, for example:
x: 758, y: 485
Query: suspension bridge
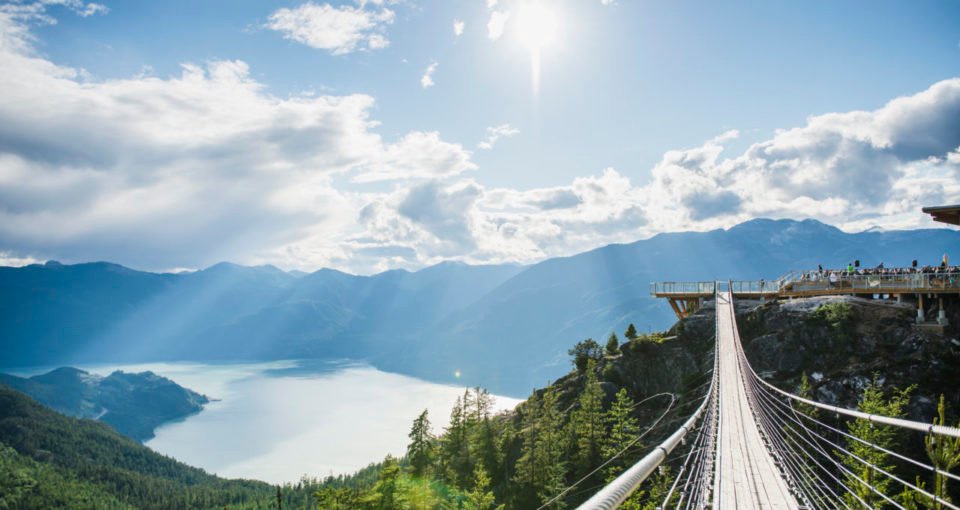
x: 752, y: 445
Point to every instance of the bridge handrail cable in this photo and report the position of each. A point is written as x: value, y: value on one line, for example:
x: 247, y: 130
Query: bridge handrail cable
x: 764, y: 394
x: 839, y: 448
x: 616, y: 492
x: 941, y: 430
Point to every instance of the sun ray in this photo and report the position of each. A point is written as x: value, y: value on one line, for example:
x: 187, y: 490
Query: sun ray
x: 537, y: 29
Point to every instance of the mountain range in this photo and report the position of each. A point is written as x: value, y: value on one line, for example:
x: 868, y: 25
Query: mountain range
x: 506, y: 327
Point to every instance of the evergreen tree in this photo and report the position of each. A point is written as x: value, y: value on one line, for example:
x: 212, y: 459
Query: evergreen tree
x: 420, y: 449
x: 551, y: 452
x: 659, y: 487
x: 385, y: 492
x: 468, y: 403
x: 482, y: 404
x: 484, y: 446
x: 527, y: 469
x: 583, y: 352
x: 453, y: 446
x: 631, y: 332
x: 542, y: 467
x: 588, y: 423
x: 913, y: 500
x: 806, y: 391
x: 481, y: 498
x: 613, y: 345
x: 417, y: 494
x: 334, y: 498
x: 944, y: 454
x: 623, y: 428
x: 873, y: 401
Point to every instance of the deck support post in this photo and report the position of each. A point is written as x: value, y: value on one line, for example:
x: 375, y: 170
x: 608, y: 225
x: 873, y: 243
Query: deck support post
x: 941, y: 314
x: 676, y: 309
x: 920, y: 316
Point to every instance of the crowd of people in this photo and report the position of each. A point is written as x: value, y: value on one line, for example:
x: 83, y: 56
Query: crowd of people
x: 942, y: 274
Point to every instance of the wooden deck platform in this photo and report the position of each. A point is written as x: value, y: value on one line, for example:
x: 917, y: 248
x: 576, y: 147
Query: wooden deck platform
x: 686, y: 297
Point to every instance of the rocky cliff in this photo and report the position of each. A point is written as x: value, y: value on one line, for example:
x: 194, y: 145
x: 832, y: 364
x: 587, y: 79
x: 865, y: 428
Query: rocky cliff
x: 843, y: 342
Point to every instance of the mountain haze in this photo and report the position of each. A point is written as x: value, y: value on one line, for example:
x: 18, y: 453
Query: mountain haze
x: 505, y: 327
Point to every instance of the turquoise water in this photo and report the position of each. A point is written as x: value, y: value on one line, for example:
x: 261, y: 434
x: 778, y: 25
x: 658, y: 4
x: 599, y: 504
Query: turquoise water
x: 281, y: 420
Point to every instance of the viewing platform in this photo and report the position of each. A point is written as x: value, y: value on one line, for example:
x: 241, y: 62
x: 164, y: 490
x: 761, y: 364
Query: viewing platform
x: 895, y: 283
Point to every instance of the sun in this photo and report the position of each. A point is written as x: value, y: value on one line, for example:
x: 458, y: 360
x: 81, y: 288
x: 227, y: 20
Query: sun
x: 537, y: 28
x: 537, y: 25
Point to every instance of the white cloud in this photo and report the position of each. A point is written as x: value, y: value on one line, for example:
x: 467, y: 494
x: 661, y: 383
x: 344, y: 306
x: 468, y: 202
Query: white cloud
x: 187, y: 170
x: 427, y: 79
x: 93, y: 8
x: 856, y: 170
x: 9, y: 260
x: 340, y: 30
x: 850, y: 169
x: 462, y: 220
x: 497, y: 24
x: 491, y: 4
x: 458, y: 27
x: 36, y: 10
x: 495, y: 133
x: 417, y: 155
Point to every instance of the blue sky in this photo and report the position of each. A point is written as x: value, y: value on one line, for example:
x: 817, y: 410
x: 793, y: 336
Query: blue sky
x: 649, y: 116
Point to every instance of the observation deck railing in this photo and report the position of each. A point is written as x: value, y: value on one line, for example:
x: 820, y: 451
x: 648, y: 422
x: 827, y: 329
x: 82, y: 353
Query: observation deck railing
x: 803, y: 283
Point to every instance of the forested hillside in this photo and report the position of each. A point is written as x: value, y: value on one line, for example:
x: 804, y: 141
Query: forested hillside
x: 133, y: 404
x: 53, y: 461
x: 560, y: 445
x: 567, y: 440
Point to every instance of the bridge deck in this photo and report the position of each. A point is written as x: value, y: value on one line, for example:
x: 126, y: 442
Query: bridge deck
x: 745, y: 474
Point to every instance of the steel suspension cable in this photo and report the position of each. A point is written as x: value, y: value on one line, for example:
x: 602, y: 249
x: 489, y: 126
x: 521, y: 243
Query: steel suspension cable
x: 873, y: 467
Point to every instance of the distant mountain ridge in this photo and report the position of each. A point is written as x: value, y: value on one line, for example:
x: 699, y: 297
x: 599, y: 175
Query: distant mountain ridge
x: 505, y: 327
x: 133, y: 404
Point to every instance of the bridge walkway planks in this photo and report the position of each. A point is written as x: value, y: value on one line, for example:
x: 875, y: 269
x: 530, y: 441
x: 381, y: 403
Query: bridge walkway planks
x: 745, y: 473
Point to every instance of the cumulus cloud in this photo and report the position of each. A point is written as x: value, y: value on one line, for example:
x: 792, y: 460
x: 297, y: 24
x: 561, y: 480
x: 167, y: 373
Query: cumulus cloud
x: 495, y: 133
x: 186, y: 170
x: 426, y: 80
x: 340, y: 30
x: 458, y: 27
x: 855, y: 170
x: 497, y: 24
x: 417, y: 155
x: 206, y: 165
x: 463, y: 220
x: 850, y: 169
